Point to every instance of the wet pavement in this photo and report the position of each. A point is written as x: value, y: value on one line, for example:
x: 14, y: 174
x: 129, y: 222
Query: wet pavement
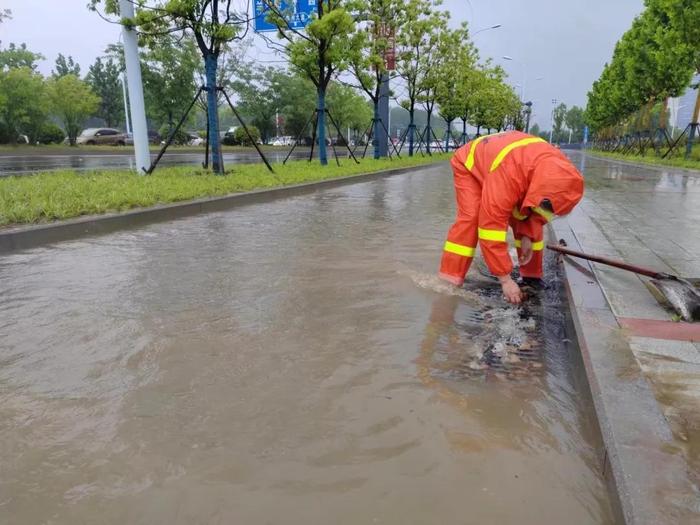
x: 86, y: 160
x: 290, y: 362
x: 651, y: 217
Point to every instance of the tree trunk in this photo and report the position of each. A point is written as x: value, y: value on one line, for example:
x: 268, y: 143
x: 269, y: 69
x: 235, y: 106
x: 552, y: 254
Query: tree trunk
x: 464, y: 131
x: 410, y: 130
x: 377, y: 129
x: 448, y: 134
x: 217, y: 162
x: 321, y: 128
x: 428, y: 132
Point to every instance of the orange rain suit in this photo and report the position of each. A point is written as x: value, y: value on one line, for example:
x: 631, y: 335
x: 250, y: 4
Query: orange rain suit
x: 502, y: 180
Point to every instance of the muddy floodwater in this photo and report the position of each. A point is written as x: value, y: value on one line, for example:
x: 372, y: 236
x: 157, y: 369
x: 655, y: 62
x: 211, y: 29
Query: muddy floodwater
x: 293, y: 362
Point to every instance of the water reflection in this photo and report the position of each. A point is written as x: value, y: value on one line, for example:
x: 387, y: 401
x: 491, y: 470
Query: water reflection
x: 21, y: 164
x: 259, y: 366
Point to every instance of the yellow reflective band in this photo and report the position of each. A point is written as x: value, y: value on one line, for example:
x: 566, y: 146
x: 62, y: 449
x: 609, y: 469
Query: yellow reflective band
x: 464, y: 251
x: 548, y: 215
x: 492, y: 235
x: 518, y: 215
x: 536, y: 246
x: 469, y: 164
x: 510, y: 147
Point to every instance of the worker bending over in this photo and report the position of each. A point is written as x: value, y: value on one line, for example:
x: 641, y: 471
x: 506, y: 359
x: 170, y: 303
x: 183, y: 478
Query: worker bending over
x: 506, y: 179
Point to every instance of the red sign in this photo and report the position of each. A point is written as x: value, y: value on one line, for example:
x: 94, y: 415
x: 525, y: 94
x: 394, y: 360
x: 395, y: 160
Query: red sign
x: 386, y: 31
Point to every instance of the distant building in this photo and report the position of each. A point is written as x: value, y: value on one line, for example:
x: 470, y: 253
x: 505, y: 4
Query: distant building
x: 681, y: 108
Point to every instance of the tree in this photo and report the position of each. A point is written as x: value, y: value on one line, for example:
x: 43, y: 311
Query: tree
x: 417, y: 28
x: 535, y: 130
x: 72, y: 101
x: 558, y: 116
x: 104, y: 79
x: 18, y: 56
x: 23, y: 106
x: 435, y: 57
x: 454, y: 80
x: 323, y: 50
x: 260, y: 91
x: 349, y: 109
x: 653, y: 60
x: 493, y: 100
x: 574, y: 121
x: 66, y: 66
x: 168, y: 70
x: 298, y: 100
x: 212, y: 23
x: 373, y: 42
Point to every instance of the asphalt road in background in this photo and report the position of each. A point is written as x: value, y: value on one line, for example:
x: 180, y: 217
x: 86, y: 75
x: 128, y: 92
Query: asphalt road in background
x: 23, y: 162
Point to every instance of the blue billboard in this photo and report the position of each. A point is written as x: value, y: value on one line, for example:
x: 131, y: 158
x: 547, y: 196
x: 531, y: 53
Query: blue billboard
x: 298, y: 14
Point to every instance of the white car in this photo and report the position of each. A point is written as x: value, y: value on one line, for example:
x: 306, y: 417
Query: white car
x: 195, y: 140
x: 283, y: 141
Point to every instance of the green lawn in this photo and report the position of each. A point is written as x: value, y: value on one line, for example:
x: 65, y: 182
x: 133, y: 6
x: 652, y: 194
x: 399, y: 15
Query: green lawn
x: 677, y: 161
x: 57, y: 195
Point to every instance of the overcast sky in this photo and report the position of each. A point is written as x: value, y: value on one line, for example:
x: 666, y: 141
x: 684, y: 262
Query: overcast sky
x: 563, y: 42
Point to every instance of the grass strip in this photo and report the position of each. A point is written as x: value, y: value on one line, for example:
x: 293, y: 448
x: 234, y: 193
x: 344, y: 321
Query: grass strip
x: 58, y: 195
x: 651, y: 158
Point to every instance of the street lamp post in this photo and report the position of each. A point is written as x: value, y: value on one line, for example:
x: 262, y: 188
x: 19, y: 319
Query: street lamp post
x: 126, y: 104
x: 133, y: 76
x: 522, y: 86
x: 551, y: 121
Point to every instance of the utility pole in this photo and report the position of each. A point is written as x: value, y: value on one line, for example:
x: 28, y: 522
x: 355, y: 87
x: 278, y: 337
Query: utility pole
x: 133, y: 75
x: 528, y: 112
x: 551, y: 121
x: 126, y: 104
x: 382, y: 137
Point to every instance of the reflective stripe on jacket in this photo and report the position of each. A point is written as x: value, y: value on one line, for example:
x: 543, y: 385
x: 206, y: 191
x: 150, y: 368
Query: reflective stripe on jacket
x: 516, y: 173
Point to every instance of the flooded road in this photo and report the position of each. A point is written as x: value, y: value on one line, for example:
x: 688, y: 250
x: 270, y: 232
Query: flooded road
x: 294, y: 362
x: 87, y: 160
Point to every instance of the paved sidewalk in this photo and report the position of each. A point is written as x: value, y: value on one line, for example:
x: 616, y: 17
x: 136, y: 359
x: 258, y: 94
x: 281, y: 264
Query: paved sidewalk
x: 651, y: 217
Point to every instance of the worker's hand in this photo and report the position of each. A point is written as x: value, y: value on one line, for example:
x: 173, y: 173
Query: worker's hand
x: 511, y: 291
x: 525, y: 250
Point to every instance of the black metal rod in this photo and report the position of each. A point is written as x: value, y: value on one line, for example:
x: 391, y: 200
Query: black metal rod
x: 437, y: 140
x: 340, y: 134
x: 368, y: 134
x: 675, y: 144
x: 390, y: 141
x: 155, y: 162
x: 314, y: 130
x: 296, y: 141
x: 247, y: 131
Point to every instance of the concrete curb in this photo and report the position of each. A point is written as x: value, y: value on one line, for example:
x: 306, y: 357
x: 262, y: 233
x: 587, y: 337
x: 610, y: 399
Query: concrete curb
x: 647, y: 478
x: 25, y: 237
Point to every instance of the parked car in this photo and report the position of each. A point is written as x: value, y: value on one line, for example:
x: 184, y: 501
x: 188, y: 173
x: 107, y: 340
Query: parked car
x: 194, y: 139
x: 228, y: 138
x: 102, y: 136
x: 153, y: 138
x: 283, y: 141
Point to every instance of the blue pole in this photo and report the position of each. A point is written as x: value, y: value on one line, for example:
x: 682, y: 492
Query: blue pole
x: 322, y: 127
x: 217, y: 161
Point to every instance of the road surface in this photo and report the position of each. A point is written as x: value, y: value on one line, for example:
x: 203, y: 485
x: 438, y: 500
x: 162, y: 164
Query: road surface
x: 291, y: 362
x: 21, y: 164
